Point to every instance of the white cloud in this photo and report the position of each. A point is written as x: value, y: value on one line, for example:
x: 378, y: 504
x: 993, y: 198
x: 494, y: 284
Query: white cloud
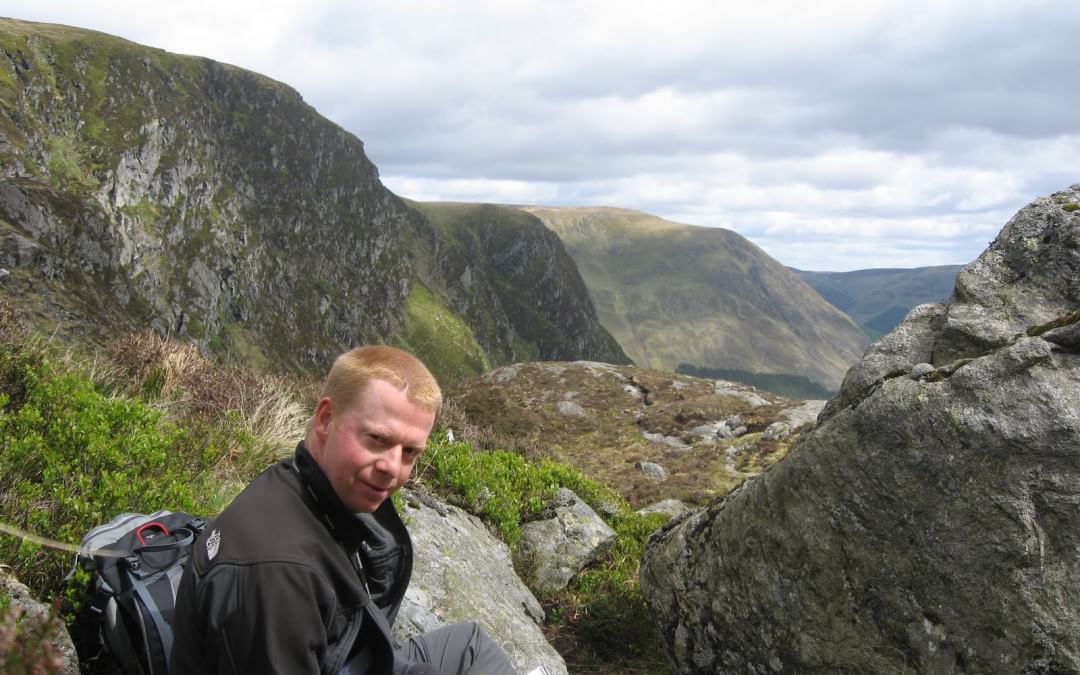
x: 472, y: 190
x: 840, y: 133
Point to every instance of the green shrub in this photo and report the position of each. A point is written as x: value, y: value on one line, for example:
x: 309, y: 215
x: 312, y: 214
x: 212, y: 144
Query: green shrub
x: 498, y: 486
x: 72, y: 458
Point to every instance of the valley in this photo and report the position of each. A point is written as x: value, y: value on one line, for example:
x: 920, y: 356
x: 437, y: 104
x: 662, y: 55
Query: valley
x: 185, y: 246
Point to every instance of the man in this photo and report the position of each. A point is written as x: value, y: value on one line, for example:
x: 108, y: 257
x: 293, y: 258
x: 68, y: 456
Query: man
x: 305, y: 571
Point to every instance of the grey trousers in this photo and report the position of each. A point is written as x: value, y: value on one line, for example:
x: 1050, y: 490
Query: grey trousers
x: 458, y: 649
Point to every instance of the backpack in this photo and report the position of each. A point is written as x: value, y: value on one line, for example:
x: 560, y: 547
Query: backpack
x: 136, y: 562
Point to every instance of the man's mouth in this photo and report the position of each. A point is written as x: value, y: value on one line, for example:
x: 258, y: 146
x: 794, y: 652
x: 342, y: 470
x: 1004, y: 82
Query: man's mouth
x: 376, y: 488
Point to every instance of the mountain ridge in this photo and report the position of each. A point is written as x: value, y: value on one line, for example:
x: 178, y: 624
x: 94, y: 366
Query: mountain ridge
x: 139, y: 187
x: 672, y: 293
x: 878, y: 298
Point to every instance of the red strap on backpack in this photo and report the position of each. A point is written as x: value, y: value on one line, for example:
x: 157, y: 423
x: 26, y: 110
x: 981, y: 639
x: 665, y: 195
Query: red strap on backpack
x: 138, y: 532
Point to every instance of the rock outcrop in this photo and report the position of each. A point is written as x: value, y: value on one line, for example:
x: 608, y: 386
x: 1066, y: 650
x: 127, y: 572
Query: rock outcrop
x: 668, y: 507
x: 61, y: 658
x: 568, y: 536
x: 462, y: 573
x: 928, y: 524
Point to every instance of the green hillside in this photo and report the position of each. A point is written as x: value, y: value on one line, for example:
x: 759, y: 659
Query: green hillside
x: 879, y: 298
x: 708, y: 297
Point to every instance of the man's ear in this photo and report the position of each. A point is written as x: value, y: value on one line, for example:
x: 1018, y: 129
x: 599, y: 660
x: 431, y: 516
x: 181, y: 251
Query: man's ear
x: 324, y: 413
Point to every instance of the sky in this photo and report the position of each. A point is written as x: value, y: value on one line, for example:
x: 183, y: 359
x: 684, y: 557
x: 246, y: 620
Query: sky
x: 835, y: 135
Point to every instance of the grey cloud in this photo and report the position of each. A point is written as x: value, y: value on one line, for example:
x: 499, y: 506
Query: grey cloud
x: 514, y: 91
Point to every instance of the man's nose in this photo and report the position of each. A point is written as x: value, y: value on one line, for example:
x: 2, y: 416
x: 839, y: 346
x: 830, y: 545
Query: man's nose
x: 389, y: 462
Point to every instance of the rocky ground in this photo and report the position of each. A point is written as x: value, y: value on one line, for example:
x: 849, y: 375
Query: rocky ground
x: 649, y: 434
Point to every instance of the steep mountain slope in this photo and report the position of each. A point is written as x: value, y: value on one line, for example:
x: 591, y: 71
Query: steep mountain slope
x: 879, y: 298
x: 673, y: 293
x: 533, y: 278
x: 139, y: 187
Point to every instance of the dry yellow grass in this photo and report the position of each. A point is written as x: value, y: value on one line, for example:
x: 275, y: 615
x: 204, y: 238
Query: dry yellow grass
x: 182, y: 382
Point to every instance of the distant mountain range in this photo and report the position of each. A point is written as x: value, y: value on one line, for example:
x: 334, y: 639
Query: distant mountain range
x: 676, y: 294
x: 879, y: 298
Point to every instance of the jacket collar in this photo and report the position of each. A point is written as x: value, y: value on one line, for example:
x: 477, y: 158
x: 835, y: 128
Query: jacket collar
x: 374, y: 532
x: 379, y: 539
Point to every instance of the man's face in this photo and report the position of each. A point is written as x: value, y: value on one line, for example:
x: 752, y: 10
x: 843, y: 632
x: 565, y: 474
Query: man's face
x: 368, y: 449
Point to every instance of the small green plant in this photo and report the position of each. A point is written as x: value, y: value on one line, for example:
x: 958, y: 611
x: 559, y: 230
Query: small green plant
x: 1071, y: 206
x: 499, y: 486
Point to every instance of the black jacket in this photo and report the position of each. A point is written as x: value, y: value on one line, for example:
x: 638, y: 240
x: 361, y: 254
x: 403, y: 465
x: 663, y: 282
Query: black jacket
x: 283, y: 573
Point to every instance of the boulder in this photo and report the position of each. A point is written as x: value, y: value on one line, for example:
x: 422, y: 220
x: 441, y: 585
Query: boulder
x: 571, y: 409
x: 560, y: 545
x: 61, y: 650
x: 463, y: 573
x: 926, y: 525
x: 670, y: 507
x: 909, y: 344
x: 777, y: 431
x: 802, y: 414
x: 652, y: 470
x: 921, y: 371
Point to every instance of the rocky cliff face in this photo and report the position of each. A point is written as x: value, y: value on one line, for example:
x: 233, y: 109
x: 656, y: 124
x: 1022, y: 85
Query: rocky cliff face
x: 141, y: 187
x: 531, y: 276
x: 931, y: 522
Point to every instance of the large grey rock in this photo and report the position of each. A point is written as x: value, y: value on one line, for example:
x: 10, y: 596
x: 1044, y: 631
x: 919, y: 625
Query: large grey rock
x: 1026, y: 277
x: 925, y: 526
x: 462, y: 573
x: 559, y: 546
x: 669, y: 507
x: 652, y: 470
x: 805, y: 413
x: 910, y: 343
x: 777, y: 431
x: 26, y: 605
